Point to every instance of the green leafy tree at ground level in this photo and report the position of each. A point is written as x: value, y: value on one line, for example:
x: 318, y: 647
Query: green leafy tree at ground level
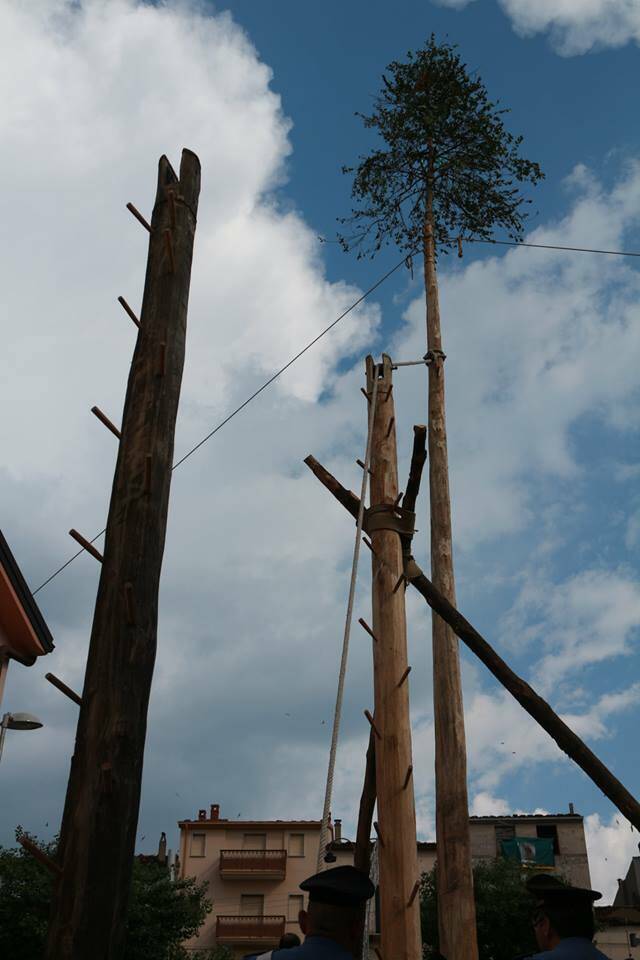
x: 503, y: 911
x: 162, y: 914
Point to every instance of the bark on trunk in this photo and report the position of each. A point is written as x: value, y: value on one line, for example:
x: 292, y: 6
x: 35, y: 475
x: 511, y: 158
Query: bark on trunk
x: 101, y: 809
x: 456, y: 906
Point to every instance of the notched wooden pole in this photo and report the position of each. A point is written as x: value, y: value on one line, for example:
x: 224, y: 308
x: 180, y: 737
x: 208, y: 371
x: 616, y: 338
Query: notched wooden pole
x: 101, y: 809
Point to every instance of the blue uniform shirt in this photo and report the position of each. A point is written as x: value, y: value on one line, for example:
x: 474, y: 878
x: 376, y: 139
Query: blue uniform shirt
x: 314, y: 948
x: 571, y: 948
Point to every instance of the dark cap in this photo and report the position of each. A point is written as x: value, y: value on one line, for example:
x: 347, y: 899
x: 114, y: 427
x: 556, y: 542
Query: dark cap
x: 340, y: 886
x: 553, y: 892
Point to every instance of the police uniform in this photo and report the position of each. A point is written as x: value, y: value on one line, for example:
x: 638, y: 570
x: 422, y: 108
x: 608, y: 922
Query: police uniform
x: 341, y: 886
x: 549, y: 892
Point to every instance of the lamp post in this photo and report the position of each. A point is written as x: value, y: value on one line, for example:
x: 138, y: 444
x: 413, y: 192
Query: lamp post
x: 17, y: 721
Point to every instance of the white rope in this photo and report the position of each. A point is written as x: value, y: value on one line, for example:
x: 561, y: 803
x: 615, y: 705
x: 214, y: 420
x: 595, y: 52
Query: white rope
x: 324, y: 830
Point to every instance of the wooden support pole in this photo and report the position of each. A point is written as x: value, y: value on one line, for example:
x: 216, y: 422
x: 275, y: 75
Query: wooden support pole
x: 456, y: 903
x: 41, y: 857
x: 526, y: 696
x: 63, y: 688
x: 103, y: 418
x: 398, y: 858
x: 127, y: 309
x: 99, y: 824
x: 86, y: 545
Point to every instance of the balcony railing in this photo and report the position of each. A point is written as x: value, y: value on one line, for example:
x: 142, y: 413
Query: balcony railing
x: 261, y: 931
x: 253, y: 864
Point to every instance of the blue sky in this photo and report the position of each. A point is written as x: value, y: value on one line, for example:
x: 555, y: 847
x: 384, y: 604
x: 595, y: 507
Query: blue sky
x: 542, y: 394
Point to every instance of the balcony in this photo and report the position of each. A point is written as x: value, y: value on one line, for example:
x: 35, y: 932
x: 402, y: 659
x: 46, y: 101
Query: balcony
x: 253, y: 864
x: 250, y: 931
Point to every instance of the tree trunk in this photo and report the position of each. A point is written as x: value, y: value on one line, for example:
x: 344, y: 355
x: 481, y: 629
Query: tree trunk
x: 101, y: 810
x: 397, y: 850
x: 456, y: 906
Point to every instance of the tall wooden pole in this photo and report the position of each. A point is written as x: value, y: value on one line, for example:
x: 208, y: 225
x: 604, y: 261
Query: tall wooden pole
x: 397, y: 849
x: 101, y: 809
x: 456, y: 905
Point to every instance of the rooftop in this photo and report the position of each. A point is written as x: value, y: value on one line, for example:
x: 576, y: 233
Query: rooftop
x: 23, y: 630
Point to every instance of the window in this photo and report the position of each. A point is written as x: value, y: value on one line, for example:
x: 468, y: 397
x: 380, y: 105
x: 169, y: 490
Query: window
x: 252, y: 905
x: 197, y: 845
x: 296, y: 903
x: 296, y: 844
x: 254, y: 841
x: 549, y: 831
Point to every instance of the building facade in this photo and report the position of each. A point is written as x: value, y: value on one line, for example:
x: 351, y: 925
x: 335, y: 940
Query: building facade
x: 254, y: 868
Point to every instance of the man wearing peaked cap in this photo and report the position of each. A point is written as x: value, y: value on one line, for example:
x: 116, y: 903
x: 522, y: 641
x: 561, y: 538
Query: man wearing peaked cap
x: 563, y: 920
x: 332, y: 923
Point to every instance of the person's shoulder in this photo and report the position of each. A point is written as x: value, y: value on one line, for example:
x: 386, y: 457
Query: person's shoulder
x: 313, y: 948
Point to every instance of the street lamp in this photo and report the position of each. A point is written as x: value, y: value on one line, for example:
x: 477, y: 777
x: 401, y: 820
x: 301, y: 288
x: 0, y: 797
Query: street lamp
x: 17, y: 721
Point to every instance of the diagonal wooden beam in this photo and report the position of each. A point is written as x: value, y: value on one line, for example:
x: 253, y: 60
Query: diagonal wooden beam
x: 538, y: 708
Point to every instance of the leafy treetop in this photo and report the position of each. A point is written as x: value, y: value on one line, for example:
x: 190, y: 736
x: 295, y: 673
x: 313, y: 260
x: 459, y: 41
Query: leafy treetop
x: 447, y: 159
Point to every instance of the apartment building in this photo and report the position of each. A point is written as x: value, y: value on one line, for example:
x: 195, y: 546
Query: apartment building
x: 254, y: 868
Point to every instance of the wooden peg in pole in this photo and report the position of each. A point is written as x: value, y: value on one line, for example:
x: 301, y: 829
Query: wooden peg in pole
x: 361, y: 464
x: 376, y: 827
x: 365, y: 626
x: 390, y: 427
x: 401, y: 579
x: 414, y: 893
x: 404, y: 676
x: 86, y: 544
x: 138, y: 216
x: 407, y: 777
x: 373, y: 724
x: 378, y: 953
x: 38, y: 855
x: 63, y: 688
x: 364, y: 393
x: 127, y: 309
x: 103, y: 418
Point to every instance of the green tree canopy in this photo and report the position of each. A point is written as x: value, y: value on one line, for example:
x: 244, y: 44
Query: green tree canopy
x: 161, y: 914
x: 503, y: 911
x: 447, y: 158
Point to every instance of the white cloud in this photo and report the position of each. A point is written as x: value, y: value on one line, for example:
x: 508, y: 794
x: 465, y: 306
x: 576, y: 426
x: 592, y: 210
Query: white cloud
x: 589, y: 618
x: 484, y: 804
x: 610, y: 847
x: 576, y: 26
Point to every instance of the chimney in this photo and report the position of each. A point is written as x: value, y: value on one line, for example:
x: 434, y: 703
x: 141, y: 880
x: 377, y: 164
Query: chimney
x: 337, y: 830
x: 571, y: 810
x: 215, y: 811
x: 162, y: 848
x: 202, y: 814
